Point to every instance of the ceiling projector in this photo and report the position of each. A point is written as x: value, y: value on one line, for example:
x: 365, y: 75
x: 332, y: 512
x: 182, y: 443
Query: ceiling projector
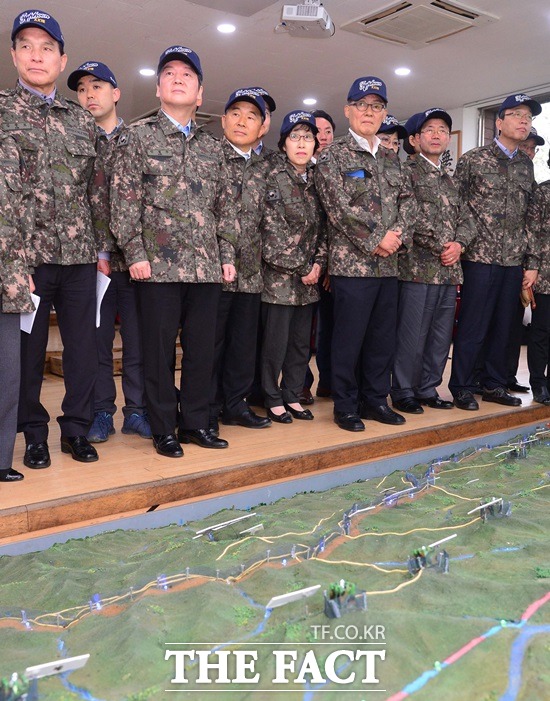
x: 308, y: 20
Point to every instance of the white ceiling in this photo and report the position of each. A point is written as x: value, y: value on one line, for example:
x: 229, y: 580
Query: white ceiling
x: 503, y: 57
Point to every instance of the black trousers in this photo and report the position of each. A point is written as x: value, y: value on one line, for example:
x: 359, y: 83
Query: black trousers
x: 235, y: 352
x: 488, y: 303
x: 163, y: 307
x: 285, y: 348
x: 365, y: 320
x: 538, y: 346
x: 72, y: 291
x: 120, y: 298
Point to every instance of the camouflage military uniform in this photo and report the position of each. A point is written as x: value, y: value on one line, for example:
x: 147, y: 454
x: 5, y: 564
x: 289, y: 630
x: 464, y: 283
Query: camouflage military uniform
x: 239, y: 309
x: 364, y: 196
x: 427, y: 289
x: 497, y: 190
x: 170, y: 205
x: 292, y: 238
x: 538, y: 346
x: 57, y: 145
x: 119, y: 299
x: 14, y: 292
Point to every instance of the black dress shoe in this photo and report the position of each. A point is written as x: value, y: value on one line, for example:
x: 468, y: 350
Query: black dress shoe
x: 383, y: 414
x: 304, y: 415
x: 435, y: 402
x: 541, y: 396
x: 214, y: 426
x: 247, y: 418
x: 464, y: 399
x: 348, y: 421
x: 500, y: 396
x: 284, y: 418
x: 37, y: 456
x: 409, y: 405
x: 516, y: 387
x: 167, y: 445
x: 202, y: 437
x: 80, y: 448
x: 306, y: 397
x: 10, y: 475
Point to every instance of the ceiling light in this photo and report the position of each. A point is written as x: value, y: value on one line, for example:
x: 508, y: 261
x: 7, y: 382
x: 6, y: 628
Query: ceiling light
x: 402, y: 71
x: 226, y: 28
x: 310, y: 101
x: 147, y: 71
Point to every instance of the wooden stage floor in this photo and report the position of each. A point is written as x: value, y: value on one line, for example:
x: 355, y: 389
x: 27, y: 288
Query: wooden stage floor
x: 131, y: 478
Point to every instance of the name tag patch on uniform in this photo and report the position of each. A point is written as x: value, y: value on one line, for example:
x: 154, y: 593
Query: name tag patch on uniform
x: 78, y: 133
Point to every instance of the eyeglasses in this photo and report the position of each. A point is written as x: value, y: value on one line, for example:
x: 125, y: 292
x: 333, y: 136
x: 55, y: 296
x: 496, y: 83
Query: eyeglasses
x: 440, y: 131
x: 519, y: 115
x: 296, y: 136
x: 363, y: 106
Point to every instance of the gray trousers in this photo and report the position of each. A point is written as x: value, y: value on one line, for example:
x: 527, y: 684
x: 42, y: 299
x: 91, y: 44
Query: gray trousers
x: 425, y: 317
x: 10, y: 371
x: 285, y: 348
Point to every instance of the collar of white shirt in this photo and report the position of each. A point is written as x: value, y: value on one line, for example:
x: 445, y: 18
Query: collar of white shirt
x: 365, y: 144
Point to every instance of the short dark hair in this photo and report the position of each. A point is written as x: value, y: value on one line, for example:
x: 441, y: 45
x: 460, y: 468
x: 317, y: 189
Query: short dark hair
x: 324, y: 115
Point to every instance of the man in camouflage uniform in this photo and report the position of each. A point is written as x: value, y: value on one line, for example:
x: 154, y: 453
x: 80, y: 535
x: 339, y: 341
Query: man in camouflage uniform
x: 56, y: 138
x: 429, y: 272
x: 169, y: 204
x: 15, y: 284
x: 98, y: 92
x: 370, y: 209
x: 239, y: 309
x: 496, y: 182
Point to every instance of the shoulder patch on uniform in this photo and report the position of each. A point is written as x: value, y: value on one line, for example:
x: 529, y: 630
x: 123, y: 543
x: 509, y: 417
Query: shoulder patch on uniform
x: 123, y: 138
x: 324, y: 156
x: 272, y: 195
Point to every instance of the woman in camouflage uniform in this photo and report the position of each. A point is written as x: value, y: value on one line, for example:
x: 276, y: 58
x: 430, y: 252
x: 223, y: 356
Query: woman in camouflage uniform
x: 14, y: 298
x: 294, y: 256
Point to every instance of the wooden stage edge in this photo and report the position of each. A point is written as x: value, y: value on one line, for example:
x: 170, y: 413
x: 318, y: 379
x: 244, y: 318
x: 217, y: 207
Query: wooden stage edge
x: 113, y: 503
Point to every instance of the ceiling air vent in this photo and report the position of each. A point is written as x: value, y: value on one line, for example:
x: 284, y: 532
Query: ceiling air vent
x: 418, y: 23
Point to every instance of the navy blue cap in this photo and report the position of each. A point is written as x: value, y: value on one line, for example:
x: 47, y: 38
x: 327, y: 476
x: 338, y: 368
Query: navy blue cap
x: 411, y: 129
x: 533, y: 134
x: 292, y: 119
x: 513, y: 101
x: 269, y: 101
x: 370, y: 85
x: 391, y: 124
x: 96, y: 70
x: 433, y: 113
x: 247, y: 95
x: 40, y: 19
x: 180, y: 53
